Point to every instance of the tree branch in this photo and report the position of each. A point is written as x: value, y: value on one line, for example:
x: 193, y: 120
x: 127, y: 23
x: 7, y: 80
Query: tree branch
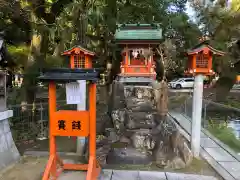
x: 39, y: 8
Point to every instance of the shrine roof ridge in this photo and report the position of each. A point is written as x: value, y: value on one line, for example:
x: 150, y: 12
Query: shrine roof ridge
x: 138, y: 25
x: 85, y: 50
x: 123, y: 34
x: 205, y: 44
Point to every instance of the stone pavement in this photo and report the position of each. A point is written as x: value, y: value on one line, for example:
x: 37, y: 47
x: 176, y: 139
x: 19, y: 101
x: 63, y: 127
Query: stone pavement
x: 219, y: 156
x: 108, y: 174
x: 73, y: 175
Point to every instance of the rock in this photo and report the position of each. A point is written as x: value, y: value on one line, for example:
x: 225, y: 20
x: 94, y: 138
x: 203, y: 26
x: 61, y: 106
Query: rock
x: 139, y: 94
x: 124, y: 139
x: 172, y: 151
x: 138, y: 91
x: 101, y: 109
x: 140, y: 134
x: 139, y: 106
x: 116, y: 100
x: 128, y: 155
x: 134, y: 102
x: 99, y: 127
x: 143, y: 141
x: 111, y: 135
x: 165, y: 126
x: 143, y: 108
x: 176, y: 163
x: 186, y: 154
x: 118, y: 103
x: 162, y: 153
x: 149, y: 93
x: 119, y: 117
x: 128, y: 91
x: 143, y: 92
x: 102, y: 153
x: 101, y: 141
x: 107, y: 121
x: 103, y: 122
x: 138, y: 120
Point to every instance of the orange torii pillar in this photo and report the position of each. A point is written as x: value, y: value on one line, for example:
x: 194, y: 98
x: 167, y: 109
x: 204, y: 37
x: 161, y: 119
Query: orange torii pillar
x: 71, y: 122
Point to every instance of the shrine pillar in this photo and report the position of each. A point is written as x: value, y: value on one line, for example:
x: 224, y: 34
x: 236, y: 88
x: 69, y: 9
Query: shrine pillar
x: 81, y: 141
x: 199, y: 65
x: 127, y: 61
x: 149, y: 61
x: 197, y: 114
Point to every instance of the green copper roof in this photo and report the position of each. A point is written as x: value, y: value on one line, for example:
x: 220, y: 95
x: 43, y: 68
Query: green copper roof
x: 123, y: 26
x: 138, y: 32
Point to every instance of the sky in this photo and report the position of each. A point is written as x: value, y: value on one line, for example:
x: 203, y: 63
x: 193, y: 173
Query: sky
x: 190, y: 11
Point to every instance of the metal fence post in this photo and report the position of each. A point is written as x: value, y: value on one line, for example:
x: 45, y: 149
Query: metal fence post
x: 204, y: 114
x: 41, y: 120
x: 185, y: 107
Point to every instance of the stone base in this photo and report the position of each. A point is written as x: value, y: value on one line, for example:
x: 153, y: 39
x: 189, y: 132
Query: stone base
x: 8, y: 151
x: 135, y: 80
x: 144, y: 136
x: 128, y: 155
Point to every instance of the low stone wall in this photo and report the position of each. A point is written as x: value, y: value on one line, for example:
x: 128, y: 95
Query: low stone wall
x: 8, y: 151
x: 140, y: 135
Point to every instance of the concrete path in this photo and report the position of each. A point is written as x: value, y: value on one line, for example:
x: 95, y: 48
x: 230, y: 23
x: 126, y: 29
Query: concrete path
x: 109, y: 174
x: 221, y: 158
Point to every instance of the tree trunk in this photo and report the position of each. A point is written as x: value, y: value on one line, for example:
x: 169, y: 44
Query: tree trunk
x: 81, y: 22
x: 161, y: 97
x: 29, y: 85
x: 58, y: 49
x: 36, y: 61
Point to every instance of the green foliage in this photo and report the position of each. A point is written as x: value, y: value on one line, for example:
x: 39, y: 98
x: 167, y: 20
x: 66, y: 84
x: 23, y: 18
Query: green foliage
x: 14, y: 96
x: 235, y: 5
x: 14, y: 21
x: 233, y: 103
x: 225, y: 134
x: 65, y: 23
x: 19, y: 54
x: 221, y: 25
x: 54, y: 61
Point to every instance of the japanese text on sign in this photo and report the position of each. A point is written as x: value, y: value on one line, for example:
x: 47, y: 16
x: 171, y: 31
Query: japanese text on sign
x: 76, y: 125
x: 76, y: 93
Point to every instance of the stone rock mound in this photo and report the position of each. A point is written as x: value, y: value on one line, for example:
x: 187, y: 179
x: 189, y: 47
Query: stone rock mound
x: 140, y: 134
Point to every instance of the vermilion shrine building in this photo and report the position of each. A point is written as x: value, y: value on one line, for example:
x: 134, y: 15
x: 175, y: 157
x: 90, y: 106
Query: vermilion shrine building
x: 200, y: 59
x: 136, y: 42
x: 79, y: 57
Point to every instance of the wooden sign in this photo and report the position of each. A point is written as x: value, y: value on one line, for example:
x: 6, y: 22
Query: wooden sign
x: 70, y: 123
